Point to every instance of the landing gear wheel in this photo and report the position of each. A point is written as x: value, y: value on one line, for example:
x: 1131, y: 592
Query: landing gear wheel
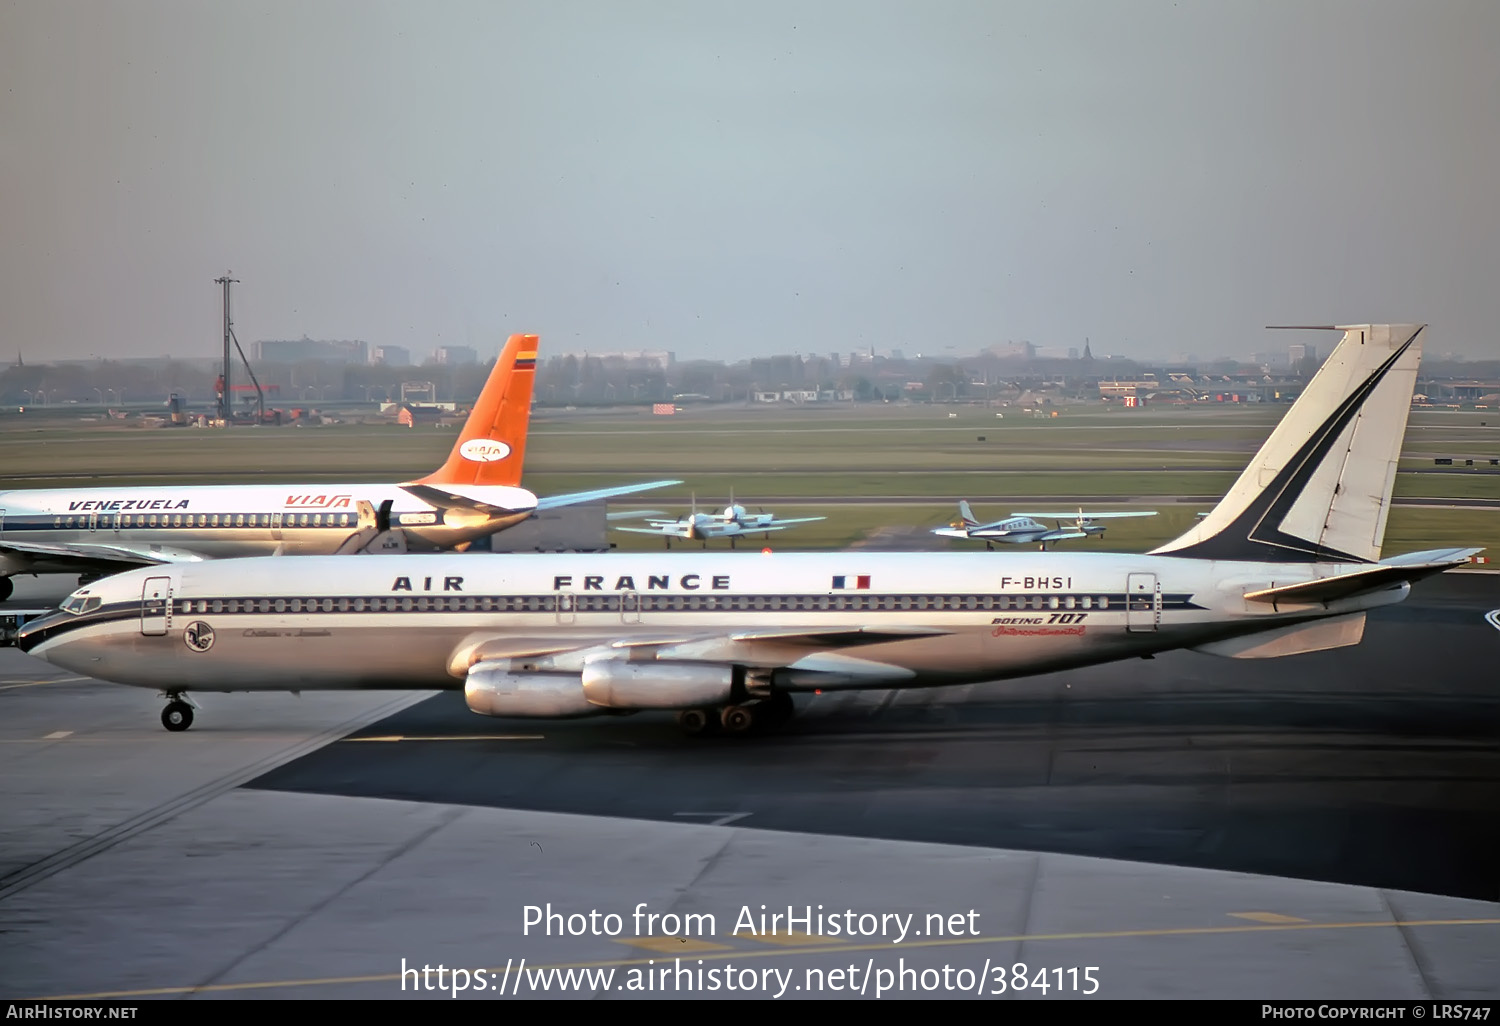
x: 737, y: 719
x: 6, y: 587
x: 696, y: 722
x: 177, y: 716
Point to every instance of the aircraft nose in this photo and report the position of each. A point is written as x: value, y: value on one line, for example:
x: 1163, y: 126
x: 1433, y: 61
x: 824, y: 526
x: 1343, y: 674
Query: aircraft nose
x: 37, y: 631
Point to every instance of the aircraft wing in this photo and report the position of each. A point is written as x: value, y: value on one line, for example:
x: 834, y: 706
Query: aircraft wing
x: 815, y: 650
x: 796, y: 520
x: 89, y: 555
x: 574, y: 498
x: 670, y: 530
x: 634, y: 514
x: 1059, y: 536
x: 1074, y: 515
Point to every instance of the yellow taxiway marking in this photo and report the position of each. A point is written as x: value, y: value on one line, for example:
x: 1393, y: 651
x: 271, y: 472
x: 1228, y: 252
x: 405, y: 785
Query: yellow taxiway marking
x: 456, y: 737
x: 1267, y: 917
x: 58, y: 735
x: 11, y: 685
x: 791, y: 938
x: 672, y: 945
x: 1185, y: 931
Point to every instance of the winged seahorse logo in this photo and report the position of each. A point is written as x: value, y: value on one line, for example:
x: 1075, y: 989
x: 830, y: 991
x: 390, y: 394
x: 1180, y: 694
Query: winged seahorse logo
x: 198, y: 636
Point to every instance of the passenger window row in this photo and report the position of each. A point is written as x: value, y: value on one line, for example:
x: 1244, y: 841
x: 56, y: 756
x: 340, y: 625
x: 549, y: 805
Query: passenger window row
x: 632, y: 601
x: 230, y: 520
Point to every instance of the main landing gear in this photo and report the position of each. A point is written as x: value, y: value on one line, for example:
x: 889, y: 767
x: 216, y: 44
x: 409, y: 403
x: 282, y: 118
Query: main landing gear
x: 739, y: 720
x: 178, y: 714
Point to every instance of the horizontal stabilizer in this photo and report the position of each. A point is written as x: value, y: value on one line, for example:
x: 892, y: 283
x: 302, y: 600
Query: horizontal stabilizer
x: 574, y: 498
x: 1318, y: 636
x: 1447, y: 558
x: 1411, y: 567
x: 476, y: 499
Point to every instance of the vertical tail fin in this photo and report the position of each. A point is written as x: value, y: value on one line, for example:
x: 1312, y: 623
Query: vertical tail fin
x: 491, y: 448
x: 1319, y: 489
x: 967, y: 513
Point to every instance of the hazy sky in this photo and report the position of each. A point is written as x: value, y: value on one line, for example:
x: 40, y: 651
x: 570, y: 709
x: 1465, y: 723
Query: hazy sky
x: 735, y: 179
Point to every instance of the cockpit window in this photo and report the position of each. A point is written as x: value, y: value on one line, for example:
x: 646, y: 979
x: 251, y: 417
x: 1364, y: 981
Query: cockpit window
x: 81, y: 602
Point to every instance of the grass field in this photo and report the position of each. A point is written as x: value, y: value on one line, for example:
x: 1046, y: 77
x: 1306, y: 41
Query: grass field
x: 864, y: 467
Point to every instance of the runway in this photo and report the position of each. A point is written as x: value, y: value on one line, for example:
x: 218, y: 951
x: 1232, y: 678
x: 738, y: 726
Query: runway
x: 1118, y: 819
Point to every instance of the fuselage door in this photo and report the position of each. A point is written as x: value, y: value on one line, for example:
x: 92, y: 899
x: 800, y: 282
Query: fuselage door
x: 630, y: 607
x: 156, y: 605
x: 567, y: 607
x: 1142, y: 602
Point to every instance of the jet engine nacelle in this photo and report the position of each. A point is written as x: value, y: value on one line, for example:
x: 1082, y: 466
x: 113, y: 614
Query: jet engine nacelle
x: 491, y: 690
x: 616, y: 684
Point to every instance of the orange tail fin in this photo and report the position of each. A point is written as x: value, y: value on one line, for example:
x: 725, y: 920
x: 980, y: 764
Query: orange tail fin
x: 492, y: 445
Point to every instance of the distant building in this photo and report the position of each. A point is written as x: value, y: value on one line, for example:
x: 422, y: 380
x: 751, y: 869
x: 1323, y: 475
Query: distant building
x: 392, y: 356
x: 456, y: 356
x: 1013, y: 350
x: 307, y: 350
x: 658, y: 357
x: 1296, y: 354
x: 411, y: 415
x: 1123, y: 389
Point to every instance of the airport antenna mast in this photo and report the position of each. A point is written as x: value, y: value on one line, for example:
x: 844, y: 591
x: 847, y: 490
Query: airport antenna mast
x: 226, y: 404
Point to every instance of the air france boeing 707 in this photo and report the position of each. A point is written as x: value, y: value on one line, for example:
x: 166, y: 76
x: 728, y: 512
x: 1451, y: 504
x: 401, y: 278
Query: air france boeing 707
x: 1288, y: 562
x: 97, y: 531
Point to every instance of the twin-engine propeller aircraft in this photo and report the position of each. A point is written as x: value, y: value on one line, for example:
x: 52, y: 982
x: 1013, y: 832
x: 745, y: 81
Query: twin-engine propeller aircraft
x: 734, y: 523
x: 1024, y: 528
x: 1289, y: 561
x: 97, y: 531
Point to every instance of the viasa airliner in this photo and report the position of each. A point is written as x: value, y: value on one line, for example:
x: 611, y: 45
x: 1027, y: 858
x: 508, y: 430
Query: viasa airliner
x: 97, y: 531
x: 1288, y: 562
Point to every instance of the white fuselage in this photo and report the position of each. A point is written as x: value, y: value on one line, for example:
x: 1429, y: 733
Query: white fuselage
x: 419, y: 621
x: 219, y: 521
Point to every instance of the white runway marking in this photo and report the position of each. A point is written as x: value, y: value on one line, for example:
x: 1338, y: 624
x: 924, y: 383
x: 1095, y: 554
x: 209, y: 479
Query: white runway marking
x: 721, y: 817
x: 455, y: 737
x: 1493, y: 616
x: 58, y: 735
x: 12, y: 685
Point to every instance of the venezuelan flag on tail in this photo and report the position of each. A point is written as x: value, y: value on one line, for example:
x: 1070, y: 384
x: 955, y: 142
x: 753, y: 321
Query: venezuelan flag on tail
x: 491, y: 449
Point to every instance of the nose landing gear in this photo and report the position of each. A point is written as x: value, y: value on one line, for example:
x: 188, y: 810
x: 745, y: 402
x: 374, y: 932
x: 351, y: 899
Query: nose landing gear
x: 178, y: 713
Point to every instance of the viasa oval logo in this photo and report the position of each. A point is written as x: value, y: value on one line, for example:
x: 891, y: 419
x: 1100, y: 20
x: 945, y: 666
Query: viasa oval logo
x: 483, y: 450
